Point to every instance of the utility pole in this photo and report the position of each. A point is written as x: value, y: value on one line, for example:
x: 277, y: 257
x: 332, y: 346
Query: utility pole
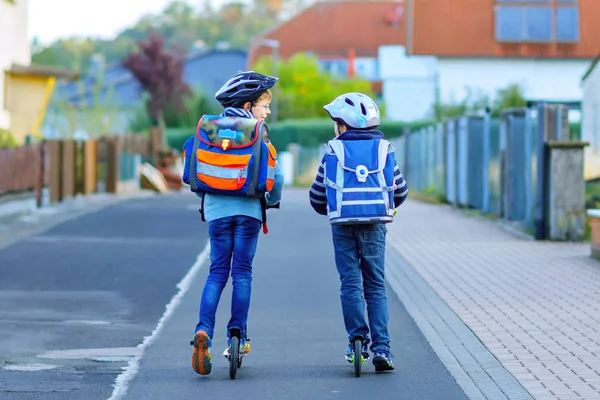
x: 409, y: 27
x: 274, y: 45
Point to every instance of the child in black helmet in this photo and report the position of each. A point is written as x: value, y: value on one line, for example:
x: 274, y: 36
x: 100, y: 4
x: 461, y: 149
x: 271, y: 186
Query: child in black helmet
x: 234, y: 225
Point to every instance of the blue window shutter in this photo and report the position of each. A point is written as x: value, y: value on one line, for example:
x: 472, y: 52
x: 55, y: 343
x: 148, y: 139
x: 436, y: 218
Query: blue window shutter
x: 567, y: 24
x: 509, y: 24
x: 538, y: 26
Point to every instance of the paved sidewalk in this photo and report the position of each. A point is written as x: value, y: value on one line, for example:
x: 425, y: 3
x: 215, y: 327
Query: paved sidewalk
x: 534, y: 305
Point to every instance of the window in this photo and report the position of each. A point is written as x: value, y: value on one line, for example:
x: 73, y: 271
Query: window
x: 335, y: 67
x: 567, y: 24
x: 537, y: 21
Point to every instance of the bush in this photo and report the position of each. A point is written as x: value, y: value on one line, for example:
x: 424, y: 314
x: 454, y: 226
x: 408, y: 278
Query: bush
x: 307, y: 133
x: 312, y: 133
x: 304, y: 88
x: 575, y: 130
x: 7, y: 139
x: 176, y: 137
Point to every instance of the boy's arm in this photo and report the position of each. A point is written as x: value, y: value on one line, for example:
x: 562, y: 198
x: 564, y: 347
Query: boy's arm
x: 274, y: 196
x: 401, y: 191
x: 317, y: 194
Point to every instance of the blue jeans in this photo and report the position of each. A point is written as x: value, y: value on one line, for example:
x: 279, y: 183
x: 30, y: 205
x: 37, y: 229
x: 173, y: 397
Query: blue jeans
x: 360, y: 260
x: 231, y: 238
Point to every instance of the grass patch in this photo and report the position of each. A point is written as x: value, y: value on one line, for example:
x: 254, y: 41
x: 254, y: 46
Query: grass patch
x: 430, y: 196
x: 592, y: 201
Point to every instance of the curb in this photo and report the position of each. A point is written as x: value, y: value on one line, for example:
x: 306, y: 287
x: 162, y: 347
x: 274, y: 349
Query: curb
x: 473, y: 366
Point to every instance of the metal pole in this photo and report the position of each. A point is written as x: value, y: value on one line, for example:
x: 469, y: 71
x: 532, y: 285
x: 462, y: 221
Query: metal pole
x: 409, y: 27
x: 276, y: 88
x: 274, y: 45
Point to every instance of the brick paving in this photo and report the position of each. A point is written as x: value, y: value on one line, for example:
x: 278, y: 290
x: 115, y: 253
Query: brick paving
x: 534, y: 305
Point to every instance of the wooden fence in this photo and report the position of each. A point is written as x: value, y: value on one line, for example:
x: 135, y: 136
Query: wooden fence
x: 69, y: 167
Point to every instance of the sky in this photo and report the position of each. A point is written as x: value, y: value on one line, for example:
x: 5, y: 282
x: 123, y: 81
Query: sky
x: 53, y: 19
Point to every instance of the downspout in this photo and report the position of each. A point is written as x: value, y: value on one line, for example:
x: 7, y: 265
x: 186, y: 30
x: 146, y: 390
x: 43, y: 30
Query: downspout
x: 37, y: 126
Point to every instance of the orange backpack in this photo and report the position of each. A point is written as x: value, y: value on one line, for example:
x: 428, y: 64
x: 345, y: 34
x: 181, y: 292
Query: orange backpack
x: 230, y: 156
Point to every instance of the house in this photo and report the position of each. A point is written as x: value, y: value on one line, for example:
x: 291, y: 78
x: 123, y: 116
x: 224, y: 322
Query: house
x: 24, y: 89
x: 590, y: 122
x: 354, y: 29
x: 427, y: 51
x: 115, y: 93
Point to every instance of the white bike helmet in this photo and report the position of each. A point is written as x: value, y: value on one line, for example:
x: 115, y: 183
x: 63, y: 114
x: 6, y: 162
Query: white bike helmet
x: 355, y: 110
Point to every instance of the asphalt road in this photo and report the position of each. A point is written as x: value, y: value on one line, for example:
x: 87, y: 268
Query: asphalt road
x: 102, y: 281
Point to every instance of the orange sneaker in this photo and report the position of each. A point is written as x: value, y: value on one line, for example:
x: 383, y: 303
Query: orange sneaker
x: 201, y: 357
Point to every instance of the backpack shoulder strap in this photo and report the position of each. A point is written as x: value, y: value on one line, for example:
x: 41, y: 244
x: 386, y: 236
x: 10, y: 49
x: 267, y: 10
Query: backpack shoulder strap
x: 336, y: 147
x: 382, y: 153
x: 194, y: 159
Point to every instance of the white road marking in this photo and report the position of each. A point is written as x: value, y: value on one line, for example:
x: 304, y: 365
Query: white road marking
x: 30, y: 367
x: 80, y: 354
x: 122, y: 382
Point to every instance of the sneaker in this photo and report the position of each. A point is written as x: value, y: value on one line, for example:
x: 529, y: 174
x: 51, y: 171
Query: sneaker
x: 383, y: 359
x: 201, y: 357
x: 245, y: 345
x: 350, y: 352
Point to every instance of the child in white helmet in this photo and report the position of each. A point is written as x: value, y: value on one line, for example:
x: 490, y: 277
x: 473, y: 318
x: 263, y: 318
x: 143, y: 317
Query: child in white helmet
x: 359, y: 186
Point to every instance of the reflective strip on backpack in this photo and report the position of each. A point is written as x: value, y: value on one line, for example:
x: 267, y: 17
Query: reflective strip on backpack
x: 271, y: 173
x: 361, y: 202
x: 220, y: 172
x: 367, y: 189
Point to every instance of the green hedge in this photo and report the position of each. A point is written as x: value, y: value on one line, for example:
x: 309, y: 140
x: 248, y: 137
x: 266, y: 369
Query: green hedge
x: 176, y: 137
x: 575, y: 130
x: 307, y: 133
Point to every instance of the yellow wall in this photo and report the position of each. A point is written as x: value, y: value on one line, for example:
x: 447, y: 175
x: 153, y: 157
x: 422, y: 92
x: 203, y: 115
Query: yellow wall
x: 26, y: 102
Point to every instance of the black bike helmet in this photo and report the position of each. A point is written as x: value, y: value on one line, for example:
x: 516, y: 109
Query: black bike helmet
x: 243, y: 87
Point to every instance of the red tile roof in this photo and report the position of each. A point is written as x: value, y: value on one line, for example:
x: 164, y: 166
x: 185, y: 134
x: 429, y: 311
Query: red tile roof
x: 331, y: 28
x: 451, y: 28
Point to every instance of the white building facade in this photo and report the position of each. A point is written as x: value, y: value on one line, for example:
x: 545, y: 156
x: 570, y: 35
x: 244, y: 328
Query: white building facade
x: 413, y: 85
x: 590, y: 121
x: 14, y: 44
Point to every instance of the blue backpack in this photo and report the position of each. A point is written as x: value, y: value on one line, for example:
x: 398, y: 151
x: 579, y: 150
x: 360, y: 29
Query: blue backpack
x: 359, y: 180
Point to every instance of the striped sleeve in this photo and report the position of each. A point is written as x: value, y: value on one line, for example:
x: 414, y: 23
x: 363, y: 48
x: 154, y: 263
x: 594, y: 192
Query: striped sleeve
x: 401, y: 191
x: 317, y: 194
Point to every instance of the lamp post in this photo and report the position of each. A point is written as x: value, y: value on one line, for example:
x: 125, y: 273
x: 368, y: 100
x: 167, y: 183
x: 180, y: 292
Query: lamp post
x: 274, y: 45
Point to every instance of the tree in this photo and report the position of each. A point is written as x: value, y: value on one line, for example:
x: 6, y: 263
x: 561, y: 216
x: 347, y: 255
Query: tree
x: 235, y: 22
x: 512, y: 96
x: 160, y: 74
x: 304, y: 88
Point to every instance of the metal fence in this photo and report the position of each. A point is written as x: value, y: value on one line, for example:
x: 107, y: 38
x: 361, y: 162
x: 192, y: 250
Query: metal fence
x: 496, y: 165
x: 493, y: 165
